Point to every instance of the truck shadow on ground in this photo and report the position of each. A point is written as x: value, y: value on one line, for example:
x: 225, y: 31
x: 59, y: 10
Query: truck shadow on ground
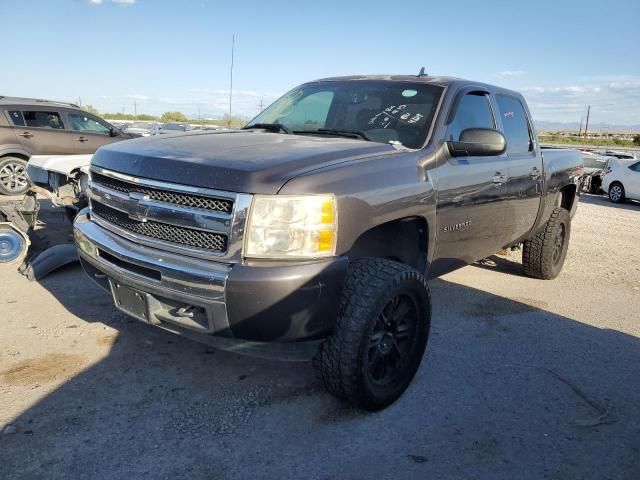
x: 507, y: 389
x: 497, y: 263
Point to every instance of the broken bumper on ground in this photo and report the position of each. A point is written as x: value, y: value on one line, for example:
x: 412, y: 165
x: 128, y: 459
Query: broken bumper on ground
x: 265, y: 308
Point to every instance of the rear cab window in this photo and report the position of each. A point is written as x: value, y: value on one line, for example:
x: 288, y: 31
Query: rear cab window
x: 515, y: 124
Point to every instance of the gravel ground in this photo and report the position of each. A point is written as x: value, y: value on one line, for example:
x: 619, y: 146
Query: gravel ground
x: 522, y: 379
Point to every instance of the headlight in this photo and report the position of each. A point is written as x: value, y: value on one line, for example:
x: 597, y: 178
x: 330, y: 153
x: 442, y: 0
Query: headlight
x: 287, y: 226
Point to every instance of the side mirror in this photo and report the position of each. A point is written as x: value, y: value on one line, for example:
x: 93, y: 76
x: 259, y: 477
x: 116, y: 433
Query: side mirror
x: 478, y: 142
x: 113, y: 132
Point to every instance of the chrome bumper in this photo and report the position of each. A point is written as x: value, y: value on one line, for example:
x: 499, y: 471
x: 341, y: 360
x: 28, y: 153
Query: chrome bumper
x: 176, y: 290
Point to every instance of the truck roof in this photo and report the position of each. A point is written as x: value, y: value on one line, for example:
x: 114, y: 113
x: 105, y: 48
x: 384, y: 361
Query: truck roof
x: 442, y: 81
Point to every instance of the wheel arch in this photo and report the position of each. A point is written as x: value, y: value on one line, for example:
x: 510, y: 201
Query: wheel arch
x: 405, y: 240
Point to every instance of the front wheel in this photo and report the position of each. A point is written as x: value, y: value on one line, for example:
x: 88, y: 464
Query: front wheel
x: 13, y: 176
x: 616, y: 192
x: 380, y: 336
x: 543, y: 255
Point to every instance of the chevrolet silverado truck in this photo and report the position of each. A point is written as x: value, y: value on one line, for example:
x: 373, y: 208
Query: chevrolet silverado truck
x: 313, y: 230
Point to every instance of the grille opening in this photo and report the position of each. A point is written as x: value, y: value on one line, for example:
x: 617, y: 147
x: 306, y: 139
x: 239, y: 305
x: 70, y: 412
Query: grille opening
x: 131, y: 267
x: 221, y: 205
x: 209, y: 241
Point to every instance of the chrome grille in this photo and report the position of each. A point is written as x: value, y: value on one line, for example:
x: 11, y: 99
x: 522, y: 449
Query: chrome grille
x: 166, y: 196
x: 209, y: 241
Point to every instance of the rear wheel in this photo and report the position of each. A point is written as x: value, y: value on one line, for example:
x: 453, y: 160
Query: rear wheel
x: 13, y: 176
x: 543, y: 255
x: 616, y: 192
x: 380, y: 336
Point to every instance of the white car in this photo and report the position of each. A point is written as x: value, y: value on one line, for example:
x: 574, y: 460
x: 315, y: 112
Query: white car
x: 621, y: 180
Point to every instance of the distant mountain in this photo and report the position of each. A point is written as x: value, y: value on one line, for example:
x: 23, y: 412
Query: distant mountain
x: 546, y: 125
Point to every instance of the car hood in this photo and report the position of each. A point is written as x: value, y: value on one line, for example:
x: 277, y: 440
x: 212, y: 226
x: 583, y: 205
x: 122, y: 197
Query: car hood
x: 237, y: 161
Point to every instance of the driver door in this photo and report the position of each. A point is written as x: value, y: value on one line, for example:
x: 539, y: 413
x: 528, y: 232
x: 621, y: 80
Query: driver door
x: 89, y: 132
x: 471, y: 194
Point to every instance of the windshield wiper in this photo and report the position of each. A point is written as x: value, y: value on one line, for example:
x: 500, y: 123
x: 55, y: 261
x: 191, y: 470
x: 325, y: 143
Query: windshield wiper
x: 271, y: 127
x: 342, y: 132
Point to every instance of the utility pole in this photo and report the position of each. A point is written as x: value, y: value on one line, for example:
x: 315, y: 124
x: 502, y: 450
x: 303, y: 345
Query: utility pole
x: 581, y: 122
x: 135, y: 110
x: 586, y: 126
x: 198, y: 113
x: 261, y: 105
x: 233, y: 44
x: 80, y: 102
x: 122, y: 109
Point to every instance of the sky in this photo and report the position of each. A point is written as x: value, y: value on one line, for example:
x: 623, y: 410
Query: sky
x: 165, y: 55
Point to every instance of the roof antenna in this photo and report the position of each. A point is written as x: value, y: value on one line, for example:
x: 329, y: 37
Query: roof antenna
x: 422, y: 73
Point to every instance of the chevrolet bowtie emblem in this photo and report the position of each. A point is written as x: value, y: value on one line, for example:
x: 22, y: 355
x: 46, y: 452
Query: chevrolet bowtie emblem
x: 138, y: 211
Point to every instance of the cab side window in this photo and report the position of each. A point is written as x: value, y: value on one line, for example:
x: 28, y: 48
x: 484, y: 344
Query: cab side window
x: 81, y: 122
x: 474, y: 111
x: 515, y: 123
x: 39, y: 119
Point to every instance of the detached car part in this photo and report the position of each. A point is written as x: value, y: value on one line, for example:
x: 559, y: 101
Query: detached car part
x: 17, y: 219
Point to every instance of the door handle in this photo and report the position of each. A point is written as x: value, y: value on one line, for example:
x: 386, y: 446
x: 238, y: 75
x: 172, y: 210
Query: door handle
x: 83, y: 139
x: 535, y: 173
x: 26, y: 134
x: 498, y: 179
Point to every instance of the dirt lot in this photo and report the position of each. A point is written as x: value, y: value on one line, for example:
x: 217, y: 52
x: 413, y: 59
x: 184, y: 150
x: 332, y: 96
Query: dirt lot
x: 522, y: 379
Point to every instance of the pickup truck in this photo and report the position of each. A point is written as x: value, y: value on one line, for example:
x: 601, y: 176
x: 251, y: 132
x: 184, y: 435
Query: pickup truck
x: 312, y: 231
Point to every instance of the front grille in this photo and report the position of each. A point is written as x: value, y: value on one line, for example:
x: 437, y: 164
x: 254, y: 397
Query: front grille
x: 210, y: 241
x: 177, y: 198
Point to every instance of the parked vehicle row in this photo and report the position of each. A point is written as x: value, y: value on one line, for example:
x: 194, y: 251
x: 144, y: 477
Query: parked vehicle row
x: 41, y: 127
x: 621, y: 179
x: 313, y: 231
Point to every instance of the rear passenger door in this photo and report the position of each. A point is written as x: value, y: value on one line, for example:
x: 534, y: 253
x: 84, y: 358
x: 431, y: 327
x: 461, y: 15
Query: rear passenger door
x: 90, y: 132
x: 471, y: 192
x: 42, y: 132
x: 524, y: 167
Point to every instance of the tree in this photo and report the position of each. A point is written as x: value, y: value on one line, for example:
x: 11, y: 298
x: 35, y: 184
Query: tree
x: 636, y: 140
x: 173, y: 117
x: 90, y: 109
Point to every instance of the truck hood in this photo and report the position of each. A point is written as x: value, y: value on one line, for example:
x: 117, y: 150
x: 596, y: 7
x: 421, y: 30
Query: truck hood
x: 246, y: 161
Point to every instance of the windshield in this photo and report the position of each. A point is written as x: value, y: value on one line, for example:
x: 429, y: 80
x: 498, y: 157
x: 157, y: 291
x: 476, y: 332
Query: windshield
x: 386, y: 111
x: 139, y: 125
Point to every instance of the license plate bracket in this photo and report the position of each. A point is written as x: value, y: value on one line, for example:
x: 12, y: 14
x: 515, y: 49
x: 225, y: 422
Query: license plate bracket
x: 130, y: 301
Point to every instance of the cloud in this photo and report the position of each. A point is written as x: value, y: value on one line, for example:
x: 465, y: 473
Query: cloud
x: 612, y: 101
x: 138, y: 97
x: 510, y: 73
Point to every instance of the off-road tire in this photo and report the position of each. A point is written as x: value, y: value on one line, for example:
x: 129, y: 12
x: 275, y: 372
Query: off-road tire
x: 616, y: 192
x: 343, y: 359
x: 540, y: 257
x: 12, y: 162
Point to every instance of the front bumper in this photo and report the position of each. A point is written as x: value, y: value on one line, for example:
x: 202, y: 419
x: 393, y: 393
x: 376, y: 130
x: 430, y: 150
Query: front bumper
x: 257, y: 302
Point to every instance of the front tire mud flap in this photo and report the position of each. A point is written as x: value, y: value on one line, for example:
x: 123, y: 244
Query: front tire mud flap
x: 49, y: 260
